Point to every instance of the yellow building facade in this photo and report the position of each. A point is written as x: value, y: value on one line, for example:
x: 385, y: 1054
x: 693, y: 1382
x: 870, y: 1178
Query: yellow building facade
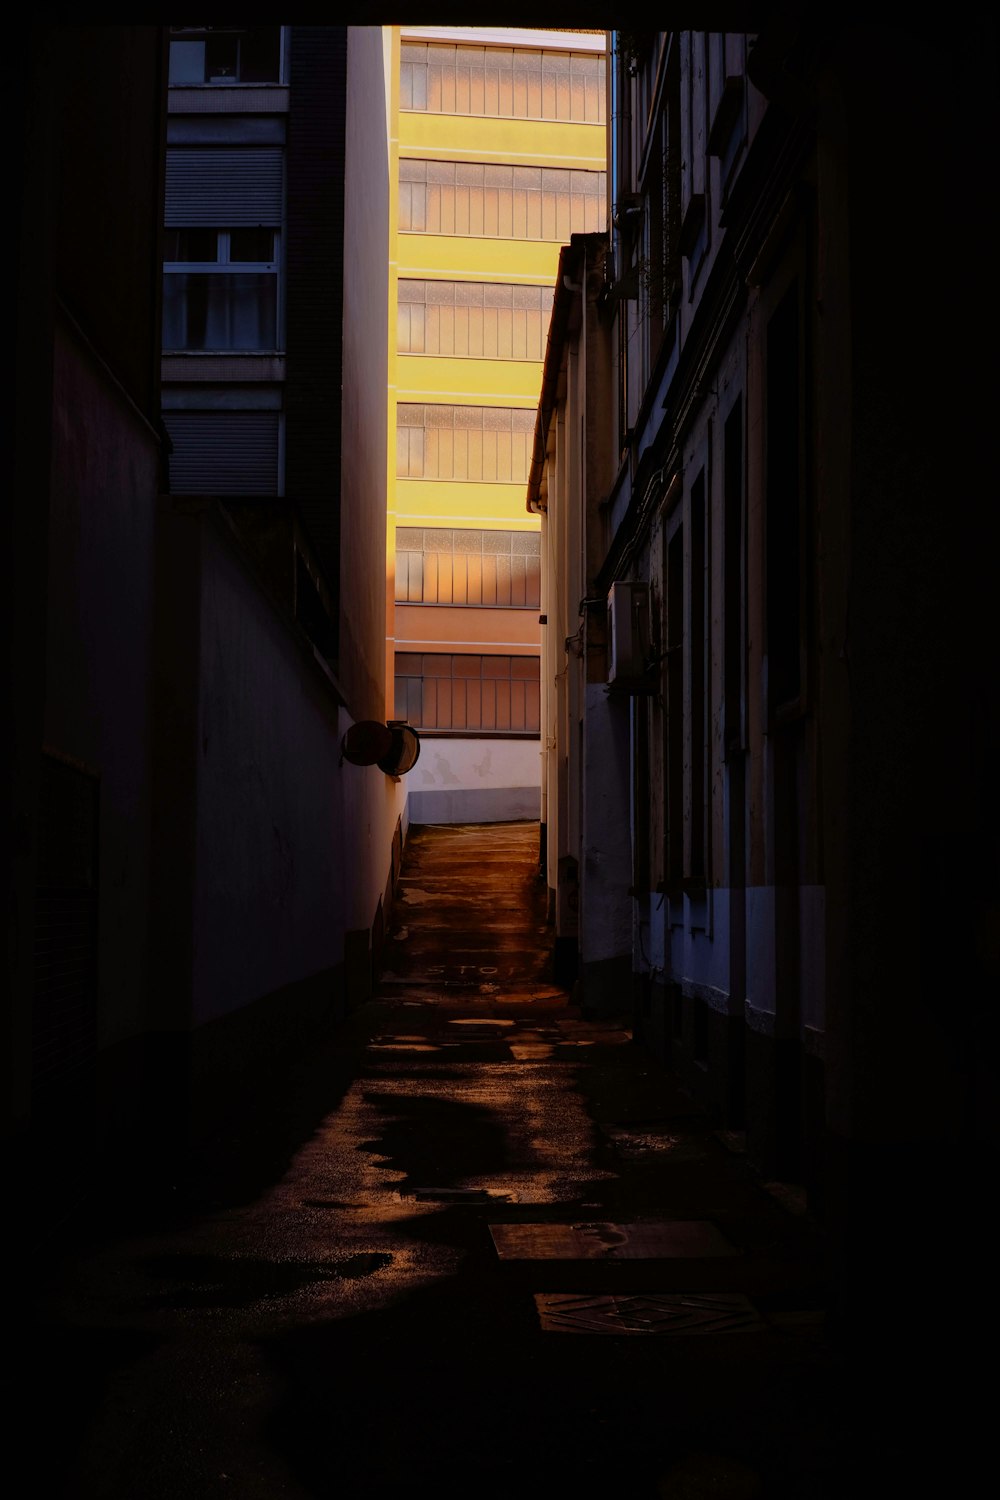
x: 499, y: 145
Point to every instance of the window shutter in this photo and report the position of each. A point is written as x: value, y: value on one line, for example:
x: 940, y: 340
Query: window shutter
x: 222, y: 188
x: 223, y: 452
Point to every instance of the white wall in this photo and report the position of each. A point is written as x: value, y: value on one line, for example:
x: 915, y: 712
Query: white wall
x: 293, y: 848
x: 606, y: 859
x: 475, y: 781
x: 365, y: 352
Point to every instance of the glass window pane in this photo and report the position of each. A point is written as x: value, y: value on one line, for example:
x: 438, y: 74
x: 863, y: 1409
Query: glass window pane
x: 488, y: 711
x: 502, y: 82
x: 251, y: 245
x: 502, y: 579
x: 459, y: 706
x: 219, y: 311
x: 191, y: 245
x: 474, y: 575
x: 246, y: 311
x: 459, y: 577
x: 260, y: 55
x: 222, y: 58
x: 517, y: 705
x: 443, y: 324
x: 442, y: 568
x: 533, y: 716
x: 187, y: 62
x: 415, y: 576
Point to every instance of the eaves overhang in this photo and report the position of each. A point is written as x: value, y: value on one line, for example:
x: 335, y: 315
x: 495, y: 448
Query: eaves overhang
x: 566, y: 291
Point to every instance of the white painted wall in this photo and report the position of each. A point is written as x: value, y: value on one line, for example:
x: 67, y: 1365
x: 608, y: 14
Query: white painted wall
x: 289, y: 856
x: 761, y: 964
x: 606, y: 863
x: 812, y: 956
x: 365, y: 349
x: 474, y: 781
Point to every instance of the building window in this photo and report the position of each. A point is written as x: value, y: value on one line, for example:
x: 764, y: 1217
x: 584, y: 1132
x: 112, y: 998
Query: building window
x: 488, y: 694
x: 495, y: 569
x: 220, y: 289
x: 499, y: 202
x: 225, y: 54
x: 463, y: 442
x: 502, y: 82
x: 473, y: 319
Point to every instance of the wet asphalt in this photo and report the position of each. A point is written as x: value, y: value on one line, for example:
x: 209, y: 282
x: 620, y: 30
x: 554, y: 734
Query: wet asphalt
x: 477, y: 1244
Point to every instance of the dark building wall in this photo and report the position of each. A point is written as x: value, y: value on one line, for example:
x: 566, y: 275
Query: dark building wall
x: 364, y: 458
x: 109, y: 176
x: 912, y: 814
x: 282, y: 850
x: 180, y: 810
x: 315, y: 284
x: 87, y: 469
x: 818, y: 975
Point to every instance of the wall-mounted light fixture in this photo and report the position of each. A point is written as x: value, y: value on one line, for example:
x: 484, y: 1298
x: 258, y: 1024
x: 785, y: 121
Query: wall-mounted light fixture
x: 394, y: 747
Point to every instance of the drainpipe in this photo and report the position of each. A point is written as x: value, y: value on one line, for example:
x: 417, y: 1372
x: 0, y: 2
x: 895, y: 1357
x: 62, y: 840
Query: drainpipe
x: 618, y: 121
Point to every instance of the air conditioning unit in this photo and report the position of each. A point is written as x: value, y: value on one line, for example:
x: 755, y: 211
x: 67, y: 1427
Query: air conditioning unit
x: 628, y: 637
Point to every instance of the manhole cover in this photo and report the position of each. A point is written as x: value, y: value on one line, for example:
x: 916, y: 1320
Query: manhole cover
x: 605, y: 1241
x: 659, y: 1313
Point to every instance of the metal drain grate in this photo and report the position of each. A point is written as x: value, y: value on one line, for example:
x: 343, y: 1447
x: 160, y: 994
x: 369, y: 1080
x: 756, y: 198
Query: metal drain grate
x: 658, y: 1313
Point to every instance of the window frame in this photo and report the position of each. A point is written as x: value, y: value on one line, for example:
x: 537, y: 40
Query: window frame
x: 203, y: 34
x: 504, y: 58
x: 444, y: 192
x: 225, y: 265
x: 462, y: 309
x: 431, y: 456
x: 404, y: 708
x: 433, y: 544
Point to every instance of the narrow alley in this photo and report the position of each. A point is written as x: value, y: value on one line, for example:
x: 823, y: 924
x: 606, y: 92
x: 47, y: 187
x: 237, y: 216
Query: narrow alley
x: 602, y: 1101
x: 510, y: 1257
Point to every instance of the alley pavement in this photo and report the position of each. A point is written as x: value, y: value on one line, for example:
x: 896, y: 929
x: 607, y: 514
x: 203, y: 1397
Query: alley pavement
x: 477, y: 1244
